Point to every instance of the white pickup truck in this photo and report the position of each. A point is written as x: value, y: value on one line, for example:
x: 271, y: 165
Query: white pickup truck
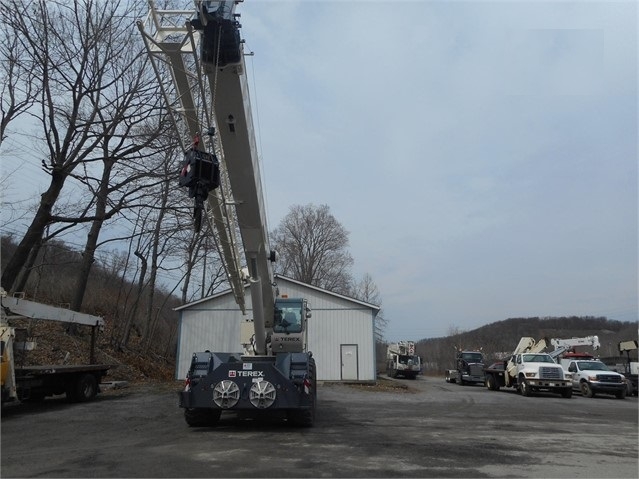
x: 591, y: 376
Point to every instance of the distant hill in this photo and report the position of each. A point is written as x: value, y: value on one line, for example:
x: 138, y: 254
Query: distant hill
x: 503, y: 336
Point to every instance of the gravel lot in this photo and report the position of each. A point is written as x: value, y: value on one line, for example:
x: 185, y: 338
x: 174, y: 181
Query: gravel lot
x: 428, y: 428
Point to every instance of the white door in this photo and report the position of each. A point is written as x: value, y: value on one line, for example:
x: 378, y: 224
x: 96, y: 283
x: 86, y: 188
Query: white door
x: 349, y: 362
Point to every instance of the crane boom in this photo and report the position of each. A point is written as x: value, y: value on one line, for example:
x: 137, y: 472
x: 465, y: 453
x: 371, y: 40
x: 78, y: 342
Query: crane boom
x: 172, y: 42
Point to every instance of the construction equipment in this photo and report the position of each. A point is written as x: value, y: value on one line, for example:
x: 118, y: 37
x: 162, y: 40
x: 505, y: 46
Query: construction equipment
x: 35, y: 382
x: 529, y: 369
x: 568, y: 345
x: 208, y: 100
x: 401, y: 360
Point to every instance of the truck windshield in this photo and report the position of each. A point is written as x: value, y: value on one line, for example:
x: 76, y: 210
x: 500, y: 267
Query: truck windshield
x: 472, y: 357
x: 537, y: 358
x: 404, y: 359
x: 288, y: 317
x: 592, y: 366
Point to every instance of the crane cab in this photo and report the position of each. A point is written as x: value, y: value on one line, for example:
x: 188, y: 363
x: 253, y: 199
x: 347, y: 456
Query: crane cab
x: 290, y: 326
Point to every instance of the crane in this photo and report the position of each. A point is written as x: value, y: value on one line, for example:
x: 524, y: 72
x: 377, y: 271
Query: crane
x: 564, y: 345
x: 208, y: 101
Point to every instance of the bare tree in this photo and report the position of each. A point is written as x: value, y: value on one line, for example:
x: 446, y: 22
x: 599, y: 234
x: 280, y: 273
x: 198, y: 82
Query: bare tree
x: 90, y: 103
x: 19, y: 88
x: 312, y: 246
x: 367, y: 290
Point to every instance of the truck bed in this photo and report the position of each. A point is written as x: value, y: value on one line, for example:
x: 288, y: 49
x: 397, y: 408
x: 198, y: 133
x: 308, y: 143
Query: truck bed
x: 60, y: 369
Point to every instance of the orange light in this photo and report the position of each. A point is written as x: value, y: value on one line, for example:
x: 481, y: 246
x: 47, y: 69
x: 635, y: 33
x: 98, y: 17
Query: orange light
x: 284, y: 296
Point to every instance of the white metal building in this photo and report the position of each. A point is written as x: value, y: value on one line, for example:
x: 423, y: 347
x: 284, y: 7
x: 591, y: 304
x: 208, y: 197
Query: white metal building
x: 340, y: 331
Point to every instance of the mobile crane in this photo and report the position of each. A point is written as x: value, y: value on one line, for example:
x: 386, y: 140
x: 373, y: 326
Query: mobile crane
x: 204, y: 56
x: 401, y: 360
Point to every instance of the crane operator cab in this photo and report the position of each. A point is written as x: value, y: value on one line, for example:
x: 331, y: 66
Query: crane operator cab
x: 289, y: 326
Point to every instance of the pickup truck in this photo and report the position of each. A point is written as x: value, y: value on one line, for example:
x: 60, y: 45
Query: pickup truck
x: 592, y: 377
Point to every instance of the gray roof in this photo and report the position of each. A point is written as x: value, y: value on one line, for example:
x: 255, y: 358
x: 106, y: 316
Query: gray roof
x: 291, y: 280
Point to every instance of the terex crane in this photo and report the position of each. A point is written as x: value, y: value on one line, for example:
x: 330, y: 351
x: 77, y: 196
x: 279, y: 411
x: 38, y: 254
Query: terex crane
x: 209, y: 102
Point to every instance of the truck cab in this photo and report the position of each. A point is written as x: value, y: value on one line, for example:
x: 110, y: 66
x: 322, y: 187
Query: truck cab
x: 538, y: 371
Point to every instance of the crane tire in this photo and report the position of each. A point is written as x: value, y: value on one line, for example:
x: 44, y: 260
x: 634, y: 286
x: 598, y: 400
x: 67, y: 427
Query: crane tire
x: 202, y: 417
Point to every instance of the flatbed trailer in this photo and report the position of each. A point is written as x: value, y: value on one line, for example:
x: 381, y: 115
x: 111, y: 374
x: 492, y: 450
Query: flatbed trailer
x: 20, y: 382
x: 79, y: 382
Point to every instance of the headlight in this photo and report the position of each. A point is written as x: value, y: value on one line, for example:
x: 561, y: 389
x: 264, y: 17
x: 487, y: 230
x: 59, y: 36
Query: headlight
x: 531, y: 375
x: 592, y: 378
x: 568, y: 375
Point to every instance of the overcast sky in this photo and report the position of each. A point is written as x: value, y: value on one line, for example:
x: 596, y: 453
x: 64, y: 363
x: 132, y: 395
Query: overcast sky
x: 482, y: 155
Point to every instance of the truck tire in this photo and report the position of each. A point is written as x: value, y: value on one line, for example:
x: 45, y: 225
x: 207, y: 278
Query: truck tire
x: 202, y: 417
x: 305, y: 417
x: 621, y: 394
x: 524, y: 387
x: 302, y: 417
x: 566, y: 393
x: 491, y: 383
x: 586, y: 390
x: 83, y: 389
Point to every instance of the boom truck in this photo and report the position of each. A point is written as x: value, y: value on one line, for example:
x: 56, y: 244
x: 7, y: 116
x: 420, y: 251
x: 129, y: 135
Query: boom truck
x: 529, y: 369
x: 208, y: 102
x: 20, y: 382
x: 401, y: 360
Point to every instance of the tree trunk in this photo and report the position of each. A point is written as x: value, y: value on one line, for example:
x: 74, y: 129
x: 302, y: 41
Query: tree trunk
x: 35, y: 231
x: 88, y: 255
x: 126, y: 333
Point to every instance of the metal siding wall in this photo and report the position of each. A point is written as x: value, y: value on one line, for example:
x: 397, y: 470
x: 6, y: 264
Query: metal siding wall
x: 336, y: 321
x: 212, y: 325
x: 215, y: 325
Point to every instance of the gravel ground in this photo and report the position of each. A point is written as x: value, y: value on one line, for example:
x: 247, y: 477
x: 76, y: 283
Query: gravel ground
x: 399, y: 428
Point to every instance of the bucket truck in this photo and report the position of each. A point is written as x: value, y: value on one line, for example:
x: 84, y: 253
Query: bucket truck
x: 202, y: 53
x: 529, y: 369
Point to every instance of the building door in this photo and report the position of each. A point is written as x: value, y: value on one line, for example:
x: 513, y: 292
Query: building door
x: 349, y: 362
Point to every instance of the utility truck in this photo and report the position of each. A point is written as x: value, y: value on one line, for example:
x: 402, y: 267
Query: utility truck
x: 401, y: 360
x: 590, y: 376
x: 469, y: 368
x: 528, y: 370
x: 272, y: 372
x: 21, y: 382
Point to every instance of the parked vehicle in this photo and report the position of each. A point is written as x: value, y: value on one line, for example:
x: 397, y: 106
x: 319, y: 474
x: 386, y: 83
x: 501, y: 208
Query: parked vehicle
x: 529, y: 370
x: 631, y: 368
x: 469, y: 368
x: 401, y: 360
x: 590, y: 376
x: 35, y: 382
